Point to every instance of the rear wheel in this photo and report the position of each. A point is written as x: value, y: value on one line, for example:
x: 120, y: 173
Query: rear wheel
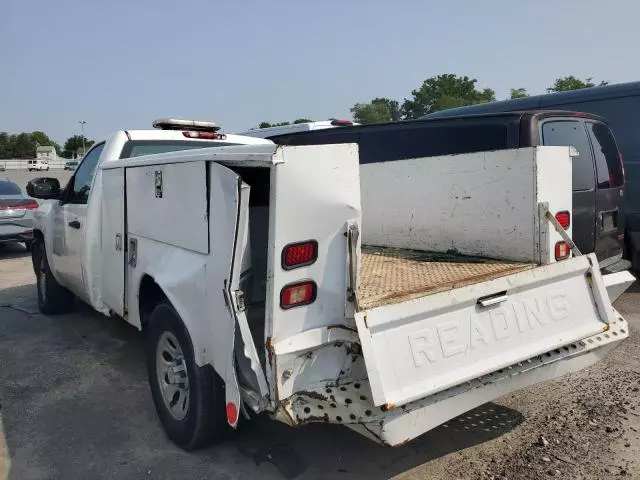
x: 53, y: 298
x: 189, y: 399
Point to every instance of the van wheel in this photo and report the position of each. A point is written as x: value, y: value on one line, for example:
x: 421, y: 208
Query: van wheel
x: 189, y: 399
x: 53, y: 298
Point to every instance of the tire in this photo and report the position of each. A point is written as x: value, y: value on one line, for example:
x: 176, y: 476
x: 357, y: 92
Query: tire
x: 53, y: 298
x: 198, y: 417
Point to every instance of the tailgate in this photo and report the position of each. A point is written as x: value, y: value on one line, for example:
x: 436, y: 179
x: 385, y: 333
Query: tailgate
x: 416, y: 348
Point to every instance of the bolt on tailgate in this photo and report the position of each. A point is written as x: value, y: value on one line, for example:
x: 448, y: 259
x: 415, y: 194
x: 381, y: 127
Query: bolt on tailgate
x: 424, y: 345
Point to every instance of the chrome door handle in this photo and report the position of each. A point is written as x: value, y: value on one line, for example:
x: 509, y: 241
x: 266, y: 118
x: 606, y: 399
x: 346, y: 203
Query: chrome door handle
x: 494, y: 299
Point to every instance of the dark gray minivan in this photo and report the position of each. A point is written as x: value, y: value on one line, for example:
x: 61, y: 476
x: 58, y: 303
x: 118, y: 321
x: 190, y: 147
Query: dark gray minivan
x: 618, y: 104
x: 598, y: 176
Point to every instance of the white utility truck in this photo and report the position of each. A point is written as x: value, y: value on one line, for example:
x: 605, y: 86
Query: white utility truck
x: 385, y: 297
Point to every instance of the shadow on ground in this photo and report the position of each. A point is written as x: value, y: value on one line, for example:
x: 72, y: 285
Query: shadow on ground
x: 75, y: 404
x: 13, y: 250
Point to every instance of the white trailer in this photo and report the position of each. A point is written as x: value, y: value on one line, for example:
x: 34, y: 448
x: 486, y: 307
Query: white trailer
x: 388, y: 298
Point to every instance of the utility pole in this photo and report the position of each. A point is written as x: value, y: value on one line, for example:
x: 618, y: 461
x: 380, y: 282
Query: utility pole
x: 82, y: 124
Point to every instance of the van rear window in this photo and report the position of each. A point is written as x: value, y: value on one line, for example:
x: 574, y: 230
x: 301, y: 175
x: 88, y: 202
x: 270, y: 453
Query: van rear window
x: 571, y: 133
x: 608, y: 164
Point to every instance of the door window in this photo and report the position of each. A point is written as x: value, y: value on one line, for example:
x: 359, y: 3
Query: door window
x: 84, y: 176
x: 608, y: 164
x: 571, y: 133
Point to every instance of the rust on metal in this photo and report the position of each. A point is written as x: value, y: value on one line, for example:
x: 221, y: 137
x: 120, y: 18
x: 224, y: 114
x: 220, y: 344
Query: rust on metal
x: 269, y: 346
x: 387, y: 407
x: 391, y: 275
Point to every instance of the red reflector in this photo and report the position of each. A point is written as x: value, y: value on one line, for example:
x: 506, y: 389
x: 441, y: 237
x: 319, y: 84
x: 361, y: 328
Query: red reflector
x: 202, y: 135
x: 232, y: 413
x: 299, y: 254
x: 562, y: 250
x: 564, y: 219
x: 298, y: 294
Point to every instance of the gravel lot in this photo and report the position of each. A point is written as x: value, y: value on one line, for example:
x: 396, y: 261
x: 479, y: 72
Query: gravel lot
x: 74, y: 403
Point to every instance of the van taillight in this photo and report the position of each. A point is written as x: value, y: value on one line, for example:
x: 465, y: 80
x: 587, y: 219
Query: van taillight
x: 564, y: 219
x: 298, y: 294
x: 562, y: 250
x: 299, y: 254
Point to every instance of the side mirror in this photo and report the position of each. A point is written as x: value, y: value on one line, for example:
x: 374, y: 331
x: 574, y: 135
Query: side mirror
x: 44, y: 188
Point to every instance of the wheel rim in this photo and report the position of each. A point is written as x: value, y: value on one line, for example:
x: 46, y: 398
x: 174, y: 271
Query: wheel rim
x: 173, y: 379
x: 42, y: 281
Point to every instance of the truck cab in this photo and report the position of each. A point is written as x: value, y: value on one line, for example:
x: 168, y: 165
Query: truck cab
x: 65, y: 227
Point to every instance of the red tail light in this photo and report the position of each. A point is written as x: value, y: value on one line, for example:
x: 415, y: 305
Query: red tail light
x: 298, y: 294
x: 341, y: 123
x: 564, y: 219
x: 25, y: 205
x: 299, y: 254
x: 562, y: 250
x: 204, y: 135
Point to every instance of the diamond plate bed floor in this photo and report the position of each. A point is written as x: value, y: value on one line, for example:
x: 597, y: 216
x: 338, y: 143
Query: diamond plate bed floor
x: 391, y: 276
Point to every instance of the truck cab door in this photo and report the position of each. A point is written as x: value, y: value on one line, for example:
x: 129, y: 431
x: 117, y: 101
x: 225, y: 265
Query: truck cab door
x: 113, y: 240
x: 69, y: 219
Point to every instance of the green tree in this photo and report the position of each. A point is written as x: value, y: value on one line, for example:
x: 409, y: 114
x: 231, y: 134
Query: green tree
x: 518, y: 93
x: 379, y: 110
x: 42, y: 139
x: 74, y: 143
x: 281, y: 124
x: 5, y: 145
x: 23, y: 145
x: 442, y: 92
x: 565, y: 84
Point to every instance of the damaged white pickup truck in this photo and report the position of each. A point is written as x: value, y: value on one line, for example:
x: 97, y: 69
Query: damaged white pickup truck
x: 386, y: 297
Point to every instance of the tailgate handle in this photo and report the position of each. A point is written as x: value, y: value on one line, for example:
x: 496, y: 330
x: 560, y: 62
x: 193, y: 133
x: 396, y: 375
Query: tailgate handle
x: 494, y: 299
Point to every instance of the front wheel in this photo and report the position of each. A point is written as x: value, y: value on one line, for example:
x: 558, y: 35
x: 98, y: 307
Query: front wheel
x: 189, y: 399
x: 53, y: 298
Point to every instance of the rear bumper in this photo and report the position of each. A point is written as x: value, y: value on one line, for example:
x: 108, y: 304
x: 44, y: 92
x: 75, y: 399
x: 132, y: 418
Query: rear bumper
x: 351, y: 405
x: 24, y: 236
x: 614, y: 265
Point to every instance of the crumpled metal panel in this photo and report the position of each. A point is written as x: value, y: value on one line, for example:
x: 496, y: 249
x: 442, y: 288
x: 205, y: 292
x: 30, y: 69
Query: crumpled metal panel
x: 351, y: 403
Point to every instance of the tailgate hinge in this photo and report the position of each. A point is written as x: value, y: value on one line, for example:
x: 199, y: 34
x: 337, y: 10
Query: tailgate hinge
x: 353, y: 235
x: 238, y: 301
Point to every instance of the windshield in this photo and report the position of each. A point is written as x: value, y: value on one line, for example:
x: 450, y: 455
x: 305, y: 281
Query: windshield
x: 136, y: 148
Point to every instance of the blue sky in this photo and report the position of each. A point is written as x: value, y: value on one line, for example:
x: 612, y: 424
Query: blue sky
x: 121, y: 63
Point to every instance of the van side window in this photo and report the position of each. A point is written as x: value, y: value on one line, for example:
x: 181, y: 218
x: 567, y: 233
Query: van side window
x: 608, y: 165
x: 84, y: 175
x: 572, y: 133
